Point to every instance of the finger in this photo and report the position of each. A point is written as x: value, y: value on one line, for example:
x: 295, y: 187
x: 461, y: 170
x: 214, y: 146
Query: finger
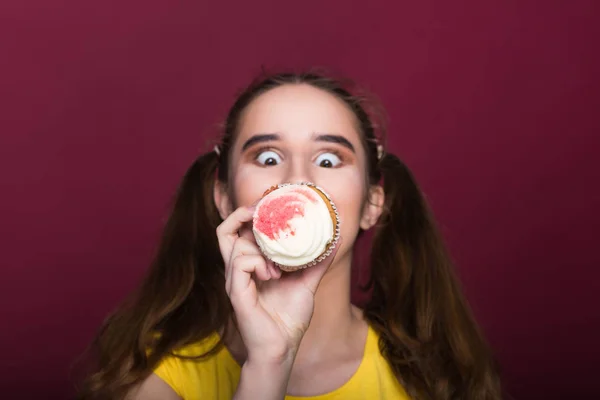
x: 242, y: 268
x: 251, y: 247
x: 242, y: 246
x: 227, y: 231
x: 273, y: 270
x: 312, y: 276
x: 246, y: 233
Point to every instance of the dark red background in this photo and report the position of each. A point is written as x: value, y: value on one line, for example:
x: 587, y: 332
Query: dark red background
x: 494, y: 104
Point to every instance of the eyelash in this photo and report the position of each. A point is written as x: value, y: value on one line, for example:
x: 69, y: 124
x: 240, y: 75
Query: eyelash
x: 335, y: 152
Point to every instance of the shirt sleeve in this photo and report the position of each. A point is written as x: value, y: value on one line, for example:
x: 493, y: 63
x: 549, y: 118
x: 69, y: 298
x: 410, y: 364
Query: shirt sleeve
x: 168, y: 369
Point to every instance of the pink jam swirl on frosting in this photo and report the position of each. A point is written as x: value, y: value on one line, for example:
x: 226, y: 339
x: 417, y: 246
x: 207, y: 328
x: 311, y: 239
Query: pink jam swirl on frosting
x: 275, y: 214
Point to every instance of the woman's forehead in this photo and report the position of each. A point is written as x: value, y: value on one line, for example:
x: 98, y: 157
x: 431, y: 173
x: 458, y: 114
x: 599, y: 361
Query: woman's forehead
x: 298, y: 112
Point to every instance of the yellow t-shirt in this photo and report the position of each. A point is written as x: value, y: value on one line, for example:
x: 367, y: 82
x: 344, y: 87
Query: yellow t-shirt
x: 217, y: 377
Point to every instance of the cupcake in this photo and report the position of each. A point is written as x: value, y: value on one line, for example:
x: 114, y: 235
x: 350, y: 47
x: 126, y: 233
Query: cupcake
x: 296, y: 225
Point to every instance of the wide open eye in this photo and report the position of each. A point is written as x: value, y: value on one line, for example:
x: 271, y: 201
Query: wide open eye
x: 268, y: 158
x: 328, y: 160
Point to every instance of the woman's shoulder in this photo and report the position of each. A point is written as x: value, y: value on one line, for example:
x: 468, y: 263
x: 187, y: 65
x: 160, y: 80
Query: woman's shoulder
x: 205, y: 363
x: 376, y: 373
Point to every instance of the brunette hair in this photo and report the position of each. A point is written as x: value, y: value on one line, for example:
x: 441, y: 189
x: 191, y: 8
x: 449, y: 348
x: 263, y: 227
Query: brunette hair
x: 427, y: 332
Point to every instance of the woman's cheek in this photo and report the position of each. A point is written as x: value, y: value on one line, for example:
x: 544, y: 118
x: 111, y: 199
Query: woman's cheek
x: 347, y: 192
x: 249, y: 186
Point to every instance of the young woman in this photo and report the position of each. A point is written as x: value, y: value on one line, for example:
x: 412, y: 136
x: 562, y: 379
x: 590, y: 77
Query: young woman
x: 214, y: 320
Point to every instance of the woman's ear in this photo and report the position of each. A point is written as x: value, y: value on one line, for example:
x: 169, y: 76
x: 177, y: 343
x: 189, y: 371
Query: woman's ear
x: 221, y: 198
x: 373, y: 207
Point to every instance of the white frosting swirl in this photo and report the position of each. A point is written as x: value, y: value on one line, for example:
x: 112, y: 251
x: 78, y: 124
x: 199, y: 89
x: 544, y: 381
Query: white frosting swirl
x: 306, y: 234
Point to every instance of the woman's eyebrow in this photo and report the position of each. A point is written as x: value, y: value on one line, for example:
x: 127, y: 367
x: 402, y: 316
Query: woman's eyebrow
x: 260, y: 138
x: 270, y: 137
x: 330, y: 138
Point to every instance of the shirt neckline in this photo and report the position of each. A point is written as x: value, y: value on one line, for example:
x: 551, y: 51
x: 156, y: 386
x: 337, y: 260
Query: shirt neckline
x: 369, y: 347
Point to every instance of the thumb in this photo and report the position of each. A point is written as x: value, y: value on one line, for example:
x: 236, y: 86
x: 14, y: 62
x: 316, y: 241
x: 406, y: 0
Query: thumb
x: 312, y: 275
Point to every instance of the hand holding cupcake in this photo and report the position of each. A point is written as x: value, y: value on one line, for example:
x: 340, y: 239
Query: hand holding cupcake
x: 295, y: 226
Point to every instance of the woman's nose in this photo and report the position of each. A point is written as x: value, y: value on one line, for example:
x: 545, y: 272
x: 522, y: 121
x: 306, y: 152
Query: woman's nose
x: 298, y: 171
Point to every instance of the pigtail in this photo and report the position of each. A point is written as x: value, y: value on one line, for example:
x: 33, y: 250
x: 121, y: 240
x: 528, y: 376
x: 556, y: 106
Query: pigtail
x: 133, y: 340
x: 427, y: 332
